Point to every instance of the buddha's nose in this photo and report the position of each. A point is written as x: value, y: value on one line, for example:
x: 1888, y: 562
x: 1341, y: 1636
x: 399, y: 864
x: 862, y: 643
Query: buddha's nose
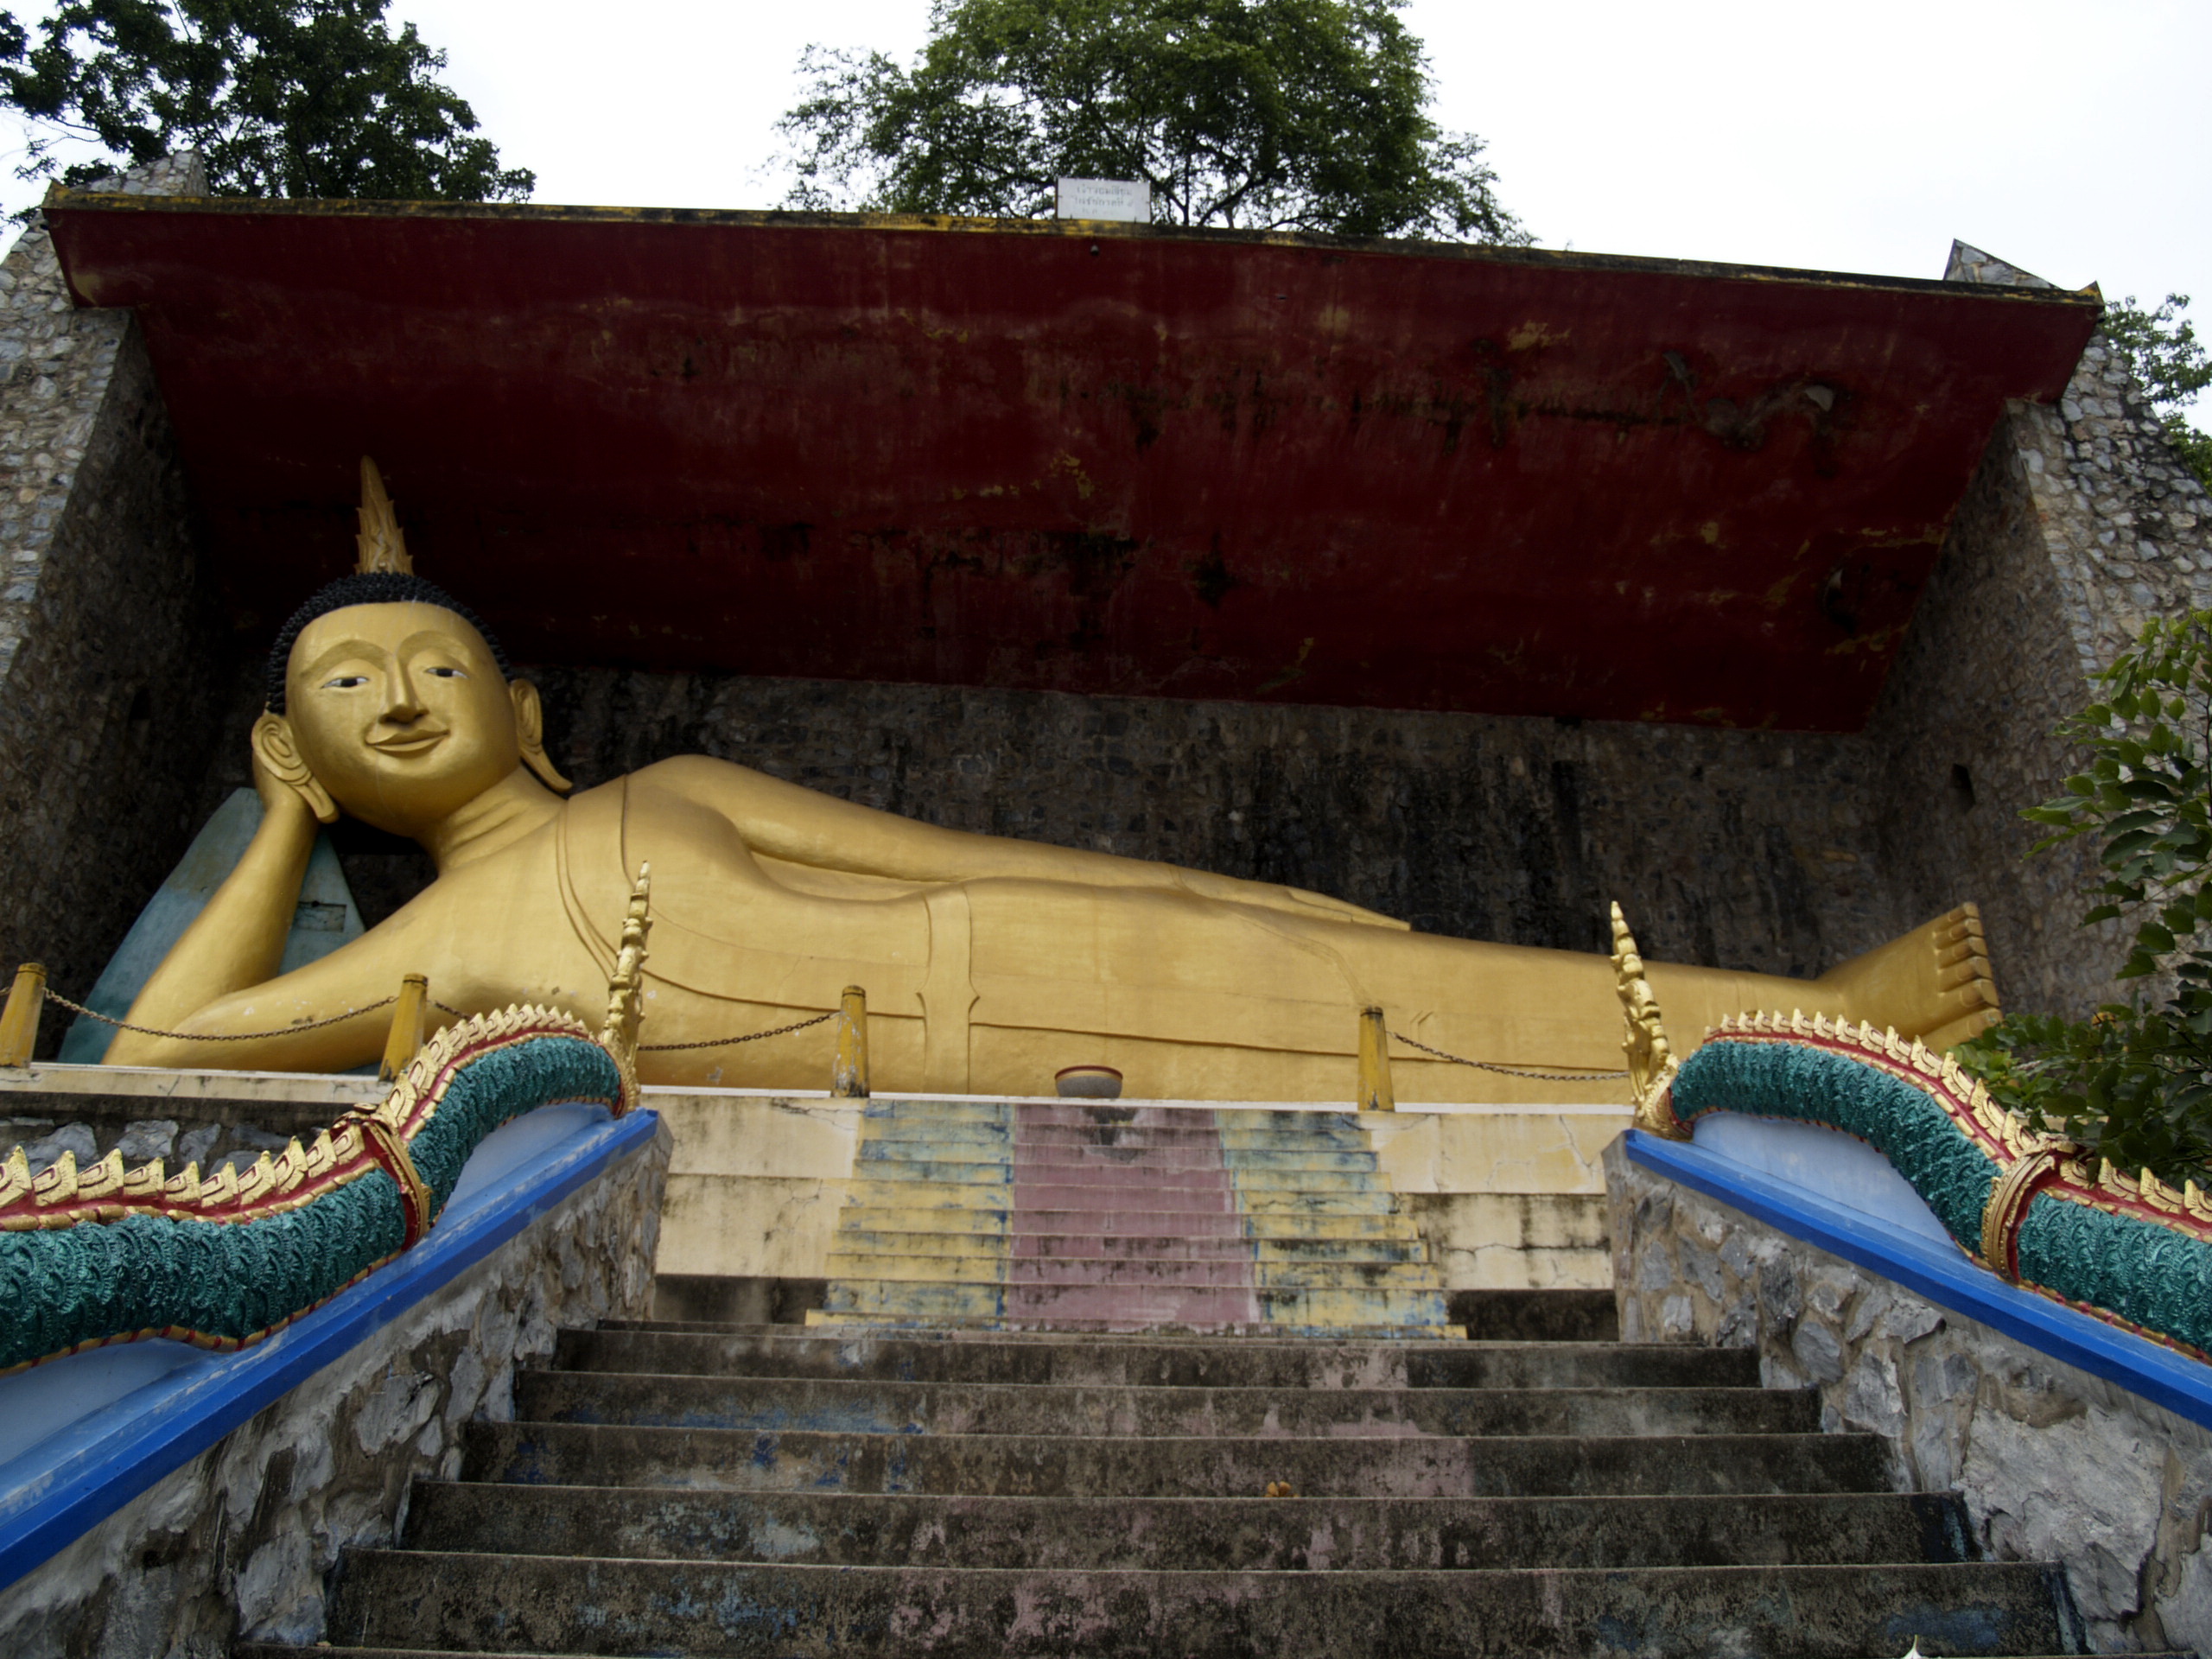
x: 401, y: 704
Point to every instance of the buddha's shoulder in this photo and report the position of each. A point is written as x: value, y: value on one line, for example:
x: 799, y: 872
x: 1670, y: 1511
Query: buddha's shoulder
x: 686, y: 774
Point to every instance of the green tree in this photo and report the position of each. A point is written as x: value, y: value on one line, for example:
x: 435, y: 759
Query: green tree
x: 283, y: 97
x: 2133, y: 1083
x: 2161, y: 347
x: 1287, y: 115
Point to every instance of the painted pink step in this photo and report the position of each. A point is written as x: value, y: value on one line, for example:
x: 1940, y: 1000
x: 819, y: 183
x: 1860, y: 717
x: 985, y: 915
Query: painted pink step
x: 1081, y: 1172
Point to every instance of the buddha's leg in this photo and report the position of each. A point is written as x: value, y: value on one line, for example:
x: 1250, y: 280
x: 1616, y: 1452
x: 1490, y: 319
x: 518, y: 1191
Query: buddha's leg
x: 1196, y: 1000
x: 1554, y: 1011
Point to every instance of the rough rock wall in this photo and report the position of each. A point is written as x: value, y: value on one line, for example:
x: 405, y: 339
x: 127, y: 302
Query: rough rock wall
x: 2054, y: 1463
x: 1962, y: 739
x: 240, y: 1543
x: 2080, y: 525
x: 109, y: 684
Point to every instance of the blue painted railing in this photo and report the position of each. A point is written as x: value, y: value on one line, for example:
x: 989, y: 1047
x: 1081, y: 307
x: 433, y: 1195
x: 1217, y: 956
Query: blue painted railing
x: 52, y: 1494
x: 1944, y: 1273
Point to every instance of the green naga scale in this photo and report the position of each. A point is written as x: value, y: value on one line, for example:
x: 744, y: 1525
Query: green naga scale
x: 2031, y: 1206
x: 104, y: 1254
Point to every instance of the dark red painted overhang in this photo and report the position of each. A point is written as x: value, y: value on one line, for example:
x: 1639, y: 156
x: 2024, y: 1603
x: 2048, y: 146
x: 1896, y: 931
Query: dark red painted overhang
x: 1092, y: 458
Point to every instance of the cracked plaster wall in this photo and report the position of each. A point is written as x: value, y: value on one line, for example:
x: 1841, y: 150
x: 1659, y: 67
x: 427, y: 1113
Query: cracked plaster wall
x: 2053, y: 1463
x: 241, y: 1542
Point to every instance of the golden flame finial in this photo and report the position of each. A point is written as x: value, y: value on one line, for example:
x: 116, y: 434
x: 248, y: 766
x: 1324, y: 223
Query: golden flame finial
x: 1651, y: 1062
x: 383, y: 545
x: 626, y: 989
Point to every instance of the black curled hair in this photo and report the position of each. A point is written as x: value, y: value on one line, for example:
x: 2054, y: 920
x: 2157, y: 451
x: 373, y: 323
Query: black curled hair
x: 377, y: 588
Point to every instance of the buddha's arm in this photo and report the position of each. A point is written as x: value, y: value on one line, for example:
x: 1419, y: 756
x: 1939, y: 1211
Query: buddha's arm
x: 237, y: 940
x: 294, y: 1007
x: 804, y: 826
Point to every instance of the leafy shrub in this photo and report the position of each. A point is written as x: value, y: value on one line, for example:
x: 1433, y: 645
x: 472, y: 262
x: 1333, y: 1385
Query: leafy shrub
x: 2133, y: 1082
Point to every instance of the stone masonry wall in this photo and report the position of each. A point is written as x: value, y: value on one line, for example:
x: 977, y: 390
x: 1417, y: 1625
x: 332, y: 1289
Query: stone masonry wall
x: 2053, y: 1463
x: 111, y: 666
x: 2080, y: 525
x: 241, y: 1542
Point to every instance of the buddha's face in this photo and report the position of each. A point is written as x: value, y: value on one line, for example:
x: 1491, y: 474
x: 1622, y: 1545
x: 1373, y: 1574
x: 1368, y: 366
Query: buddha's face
x: 400, y: 712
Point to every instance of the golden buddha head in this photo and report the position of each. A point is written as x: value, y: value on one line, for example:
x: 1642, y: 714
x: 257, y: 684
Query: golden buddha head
x: 388, y: 701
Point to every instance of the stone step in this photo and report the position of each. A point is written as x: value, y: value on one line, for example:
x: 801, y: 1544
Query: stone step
x: 1147, y: 1269
x: 1239, y: 1270
x: 1155, y: 1125
x: 1059, y: 1325
x: 921, y: 1136
x: 1537, y: 1315
x: 1208, y: 1534
x: 870, y: 1167
x: 1160, y: 1207
x: 1229, y: 1243
x: 1168, y: 1362
x: 875, y: 1406
x: 929, y: 1115
x: 1226, y: 1466
x: 1341, y: 1275
x: 1144, y: 1146
x: 891, y: 1196
x: 438, y: 1598
x: 1255, y: 1178
x: 1222, y: 1245
x: 1031, y: 1154
x: 956, y: 1217
x: 1197, y: 1306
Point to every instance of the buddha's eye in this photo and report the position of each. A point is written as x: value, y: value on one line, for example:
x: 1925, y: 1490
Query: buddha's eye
x: 343, y: 681
x: 447, y: 673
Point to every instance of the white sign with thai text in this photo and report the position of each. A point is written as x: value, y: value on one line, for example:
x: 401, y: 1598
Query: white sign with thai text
x: 1122, y: 198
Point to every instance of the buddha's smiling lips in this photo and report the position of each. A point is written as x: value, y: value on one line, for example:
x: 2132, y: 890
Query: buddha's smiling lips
x: 409, y: 743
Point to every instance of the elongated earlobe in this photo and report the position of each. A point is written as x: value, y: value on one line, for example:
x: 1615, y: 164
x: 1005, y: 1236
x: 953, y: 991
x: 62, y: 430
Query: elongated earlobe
x: 272, y: 743
x: 530, y: 730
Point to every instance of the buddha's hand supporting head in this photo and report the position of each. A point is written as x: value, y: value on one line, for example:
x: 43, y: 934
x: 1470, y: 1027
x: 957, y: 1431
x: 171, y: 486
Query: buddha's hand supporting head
x: 399, y: 712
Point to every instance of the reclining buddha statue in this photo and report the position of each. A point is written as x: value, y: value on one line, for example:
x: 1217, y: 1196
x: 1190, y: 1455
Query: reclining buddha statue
x: 988, y: 963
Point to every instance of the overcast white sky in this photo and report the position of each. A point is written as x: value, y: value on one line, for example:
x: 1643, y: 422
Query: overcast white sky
x: 2070, y: 138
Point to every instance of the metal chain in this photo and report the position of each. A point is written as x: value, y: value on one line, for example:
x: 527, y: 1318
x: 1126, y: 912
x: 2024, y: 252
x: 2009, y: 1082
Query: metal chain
x: 443, y: 1007
x: 223, y: 1037
x: 1509, y: 1070
x: 725, y: 1042
x: 731, y: 1042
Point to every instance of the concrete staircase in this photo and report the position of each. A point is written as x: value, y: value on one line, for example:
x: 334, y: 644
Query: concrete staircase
x: 1067, y: 1216
x: 764, y: 1491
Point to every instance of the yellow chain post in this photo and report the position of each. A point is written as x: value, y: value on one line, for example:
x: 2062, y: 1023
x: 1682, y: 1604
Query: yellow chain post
x: 408, y: 1026
x: 1375, y: 1093
x: 849, y: 1072
x: 19, y: 1023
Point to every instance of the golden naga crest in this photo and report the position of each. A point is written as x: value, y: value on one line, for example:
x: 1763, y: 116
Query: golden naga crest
x: 1652, y: 1061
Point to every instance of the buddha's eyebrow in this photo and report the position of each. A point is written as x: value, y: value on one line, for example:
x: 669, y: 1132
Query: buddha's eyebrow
x: 341, y: 651
x: 433, y: 638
